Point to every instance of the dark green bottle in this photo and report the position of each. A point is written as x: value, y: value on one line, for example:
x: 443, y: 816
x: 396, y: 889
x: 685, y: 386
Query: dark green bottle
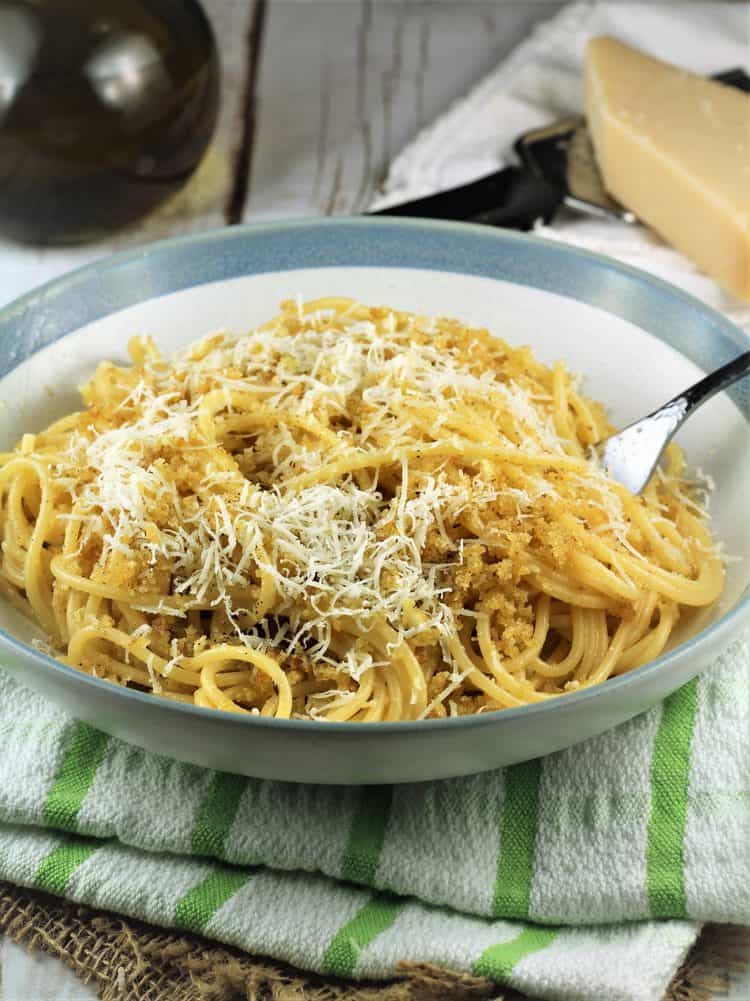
x: 106, y: 108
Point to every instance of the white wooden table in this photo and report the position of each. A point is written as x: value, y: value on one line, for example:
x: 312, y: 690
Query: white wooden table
x: 318, y: 96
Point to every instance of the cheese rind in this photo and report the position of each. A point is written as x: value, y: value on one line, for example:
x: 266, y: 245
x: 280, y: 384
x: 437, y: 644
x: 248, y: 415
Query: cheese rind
x: 674, y: 148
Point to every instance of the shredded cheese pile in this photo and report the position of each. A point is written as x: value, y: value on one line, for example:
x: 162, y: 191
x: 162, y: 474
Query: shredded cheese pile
x: 349, y: 513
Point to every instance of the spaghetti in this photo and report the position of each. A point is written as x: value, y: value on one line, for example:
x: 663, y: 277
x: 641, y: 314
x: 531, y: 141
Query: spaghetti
x: 351, y: 513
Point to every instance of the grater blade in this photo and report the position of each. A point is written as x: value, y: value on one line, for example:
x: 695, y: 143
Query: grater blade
x: 561, y: 153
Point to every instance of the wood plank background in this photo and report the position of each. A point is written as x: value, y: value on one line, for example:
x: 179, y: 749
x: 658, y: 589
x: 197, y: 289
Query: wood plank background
x: 319, y: 95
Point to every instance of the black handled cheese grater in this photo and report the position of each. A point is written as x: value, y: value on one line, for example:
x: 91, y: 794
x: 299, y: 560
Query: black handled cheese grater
x: 558, y: 168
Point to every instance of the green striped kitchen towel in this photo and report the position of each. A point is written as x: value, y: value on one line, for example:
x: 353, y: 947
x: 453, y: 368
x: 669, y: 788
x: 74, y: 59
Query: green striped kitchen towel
x: 584, y: 875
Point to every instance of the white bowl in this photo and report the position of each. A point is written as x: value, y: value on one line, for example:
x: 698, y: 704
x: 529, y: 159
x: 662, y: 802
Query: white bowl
x: 636, y: 340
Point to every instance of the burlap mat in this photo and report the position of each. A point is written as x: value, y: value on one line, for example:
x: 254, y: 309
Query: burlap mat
x: 127, y: 960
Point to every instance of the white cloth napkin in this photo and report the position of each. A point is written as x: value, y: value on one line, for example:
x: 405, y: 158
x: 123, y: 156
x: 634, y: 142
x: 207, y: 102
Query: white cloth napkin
x: 541, y: 81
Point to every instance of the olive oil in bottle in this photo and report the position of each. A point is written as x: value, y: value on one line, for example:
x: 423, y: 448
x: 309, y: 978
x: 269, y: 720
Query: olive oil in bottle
x: 106, y: 108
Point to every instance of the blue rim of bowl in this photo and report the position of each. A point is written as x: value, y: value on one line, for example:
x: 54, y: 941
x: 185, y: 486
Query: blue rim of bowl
x: 702, y: 350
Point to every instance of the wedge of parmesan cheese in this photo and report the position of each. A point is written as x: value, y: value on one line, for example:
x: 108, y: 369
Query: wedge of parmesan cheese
x: 674, y: 148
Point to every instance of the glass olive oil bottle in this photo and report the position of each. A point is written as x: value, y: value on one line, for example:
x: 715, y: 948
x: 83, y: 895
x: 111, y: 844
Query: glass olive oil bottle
x: 106, y: 108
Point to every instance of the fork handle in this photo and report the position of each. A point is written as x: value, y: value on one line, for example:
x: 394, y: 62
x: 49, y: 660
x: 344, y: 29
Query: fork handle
x: 723, y: 377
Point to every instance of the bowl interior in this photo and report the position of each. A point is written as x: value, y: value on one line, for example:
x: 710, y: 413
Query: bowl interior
x: 627, y: 368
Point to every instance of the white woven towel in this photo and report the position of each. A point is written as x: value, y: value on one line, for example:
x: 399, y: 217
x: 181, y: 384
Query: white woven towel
x: 546, y: 876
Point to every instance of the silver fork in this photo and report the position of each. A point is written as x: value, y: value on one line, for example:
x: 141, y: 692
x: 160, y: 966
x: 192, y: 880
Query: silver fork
x: 631, y: 455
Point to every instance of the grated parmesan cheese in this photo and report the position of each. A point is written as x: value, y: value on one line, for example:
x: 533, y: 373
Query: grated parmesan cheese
x: 178, y: 479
